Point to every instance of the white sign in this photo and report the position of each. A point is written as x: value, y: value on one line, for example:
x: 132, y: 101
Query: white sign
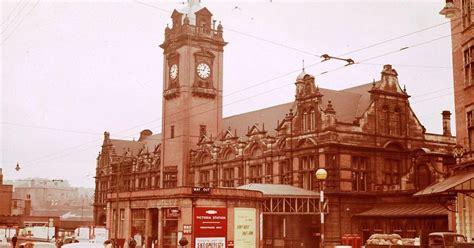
x: 245, y: 226
x: 210, y: 242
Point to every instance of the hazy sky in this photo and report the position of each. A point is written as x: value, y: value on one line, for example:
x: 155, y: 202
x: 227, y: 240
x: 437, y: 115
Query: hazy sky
x: 72, y: 70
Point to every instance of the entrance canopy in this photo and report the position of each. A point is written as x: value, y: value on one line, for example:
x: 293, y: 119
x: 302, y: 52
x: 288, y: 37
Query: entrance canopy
x: 286, y: 199
x: 460, y: 183
x: 413, y: 210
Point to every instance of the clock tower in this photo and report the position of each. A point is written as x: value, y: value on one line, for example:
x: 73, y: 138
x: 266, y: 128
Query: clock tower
x: 192, y: 88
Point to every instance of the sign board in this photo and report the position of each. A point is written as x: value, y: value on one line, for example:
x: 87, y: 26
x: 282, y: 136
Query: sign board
x: 187, y: 229
x: 201, y: 190
x: 245, y: 225
x: 173, y: 213
x: 210, y: 242
x: 210, y: 227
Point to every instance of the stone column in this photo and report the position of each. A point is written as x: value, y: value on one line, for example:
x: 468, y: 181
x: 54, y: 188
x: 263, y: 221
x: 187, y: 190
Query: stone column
x: 127, y: 228
x: 148, y: 227
x: 160, y: 227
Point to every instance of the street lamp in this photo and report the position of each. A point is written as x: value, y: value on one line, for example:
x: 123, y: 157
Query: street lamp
x: 321, y: 175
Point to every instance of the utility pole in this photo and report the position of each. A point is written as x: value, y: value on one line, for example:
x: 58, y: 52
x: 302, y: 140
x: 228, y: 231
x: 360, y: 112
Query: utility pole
x: 117, y: 211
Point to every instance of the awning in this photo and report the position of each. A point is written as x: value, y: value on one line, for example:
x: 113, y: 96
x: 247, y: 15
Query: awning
x: 414, y: 210
x: 279, y: 190
x: 460, y: 183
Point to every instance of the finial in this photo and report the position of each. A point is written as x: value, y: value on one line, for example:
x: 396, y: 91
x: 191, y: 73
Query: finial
x: 303, y: 65
x: 373, y: 82
x: 404, y: 88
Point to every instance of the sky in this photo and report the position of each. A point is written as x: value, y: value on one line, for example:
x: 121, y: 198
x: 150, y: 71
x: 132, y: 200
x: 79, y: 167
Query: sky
x: 71, y: 70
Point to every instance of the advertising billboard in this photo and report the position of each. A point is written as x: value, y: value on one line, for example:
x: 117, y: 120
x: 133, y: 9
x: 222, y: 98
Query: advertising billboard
x: 245, y: 226
x: 210, y: 227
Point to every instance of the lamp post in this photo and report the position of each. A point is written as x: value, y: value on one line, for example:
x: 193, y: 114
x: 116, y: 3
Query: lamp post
x: 321, y: 175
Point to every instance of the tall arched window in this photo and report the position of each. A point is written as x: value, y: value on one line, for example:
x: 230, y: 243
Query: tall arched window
x: 384, y: 120
x: 305, y: 121
x: 397, y: 121
x: 313, y: 119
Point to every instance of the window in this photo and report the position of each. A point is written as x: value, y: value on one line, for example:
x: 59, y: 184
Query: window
x: 172, y: 132
x: 307, y: 168
x: 305, y: 121
x: 286, y: 173
x: 255, y: 173
x: 157, y: 181
x: 313, y: 119
x: 333, y: 171
x: 466, y: 13
x: 202, y: 130
x: 170, y: 179
x: 470, y: 129
x: 468, y: 60
x: 391, y: 171
x: 204, y: 178
x: 359, y: 173
x: 384, y: 120
x: 470, y: 118
x: 228, y: 179
x: 240, y: 173
x: 269, y: 173
x: 138, y: 220
x: 215, y: 178
x: 397, y: 121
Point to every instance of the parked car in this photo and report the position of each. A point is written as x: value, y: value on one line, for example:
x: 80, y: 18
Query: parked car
x: 448, y: 240
x: 83, y: 245
x: 4, y: 243
x: 36, y: 244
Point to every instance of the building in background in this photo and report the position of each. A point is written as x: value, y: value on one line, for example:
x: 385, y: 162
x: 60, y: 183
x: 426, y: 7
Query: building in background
x: 6, y: 194
x: 44, y: 202
x: 376, y: 152
x: 54, y: 197
x: 461, y: 183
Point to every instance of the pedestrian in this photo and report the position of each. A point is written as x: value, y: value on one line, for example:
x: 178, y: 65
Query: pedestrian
x: 132, y: 243
x: 14, y: 240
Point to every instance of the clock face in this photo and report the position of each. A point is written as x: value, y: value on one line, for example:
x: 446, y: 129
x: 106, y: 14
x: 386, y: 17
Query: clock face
x: 203, y: 70
x: 174, y: 71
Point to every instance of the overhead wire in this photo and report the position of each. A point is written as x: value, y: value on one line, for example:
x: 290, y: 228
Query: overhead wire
x: 275, y: 77
x: 19, y: 23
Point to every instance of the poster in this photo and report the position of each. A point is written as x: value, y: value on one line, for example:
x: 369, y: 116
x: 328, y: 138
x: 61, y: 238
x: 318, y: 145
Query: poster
x: 210, y: 242
x: 245, y: 227
x: 210, y: 227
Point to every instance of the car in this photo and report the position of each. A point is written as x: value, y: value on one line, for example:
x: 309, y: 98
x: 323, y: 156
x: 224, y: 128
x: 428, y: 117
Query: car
x: 83, y: 245
x: 4, y: 242
x: 448, y: 239
x: 36, y: 244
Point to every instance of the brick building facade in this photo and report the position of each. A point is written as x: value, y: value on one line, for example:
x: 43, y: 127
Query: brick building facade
x: 376, y: 152
x: 461, y: 184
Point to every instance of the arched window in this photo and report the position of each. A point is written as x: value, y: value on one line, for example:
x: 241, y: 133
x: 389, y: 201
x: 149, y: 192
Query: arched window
x: 305, y: 121
x: 384, y: 120
x: 229, y: 154
x: 257, y: 151
x: 397, y: 121
x: 313, y: 120
x: 206, y: 159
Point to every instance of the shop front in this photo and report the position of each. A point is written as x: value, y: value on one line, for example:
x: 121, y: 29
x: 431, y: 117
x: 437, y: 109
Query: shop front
x: 219, y: 217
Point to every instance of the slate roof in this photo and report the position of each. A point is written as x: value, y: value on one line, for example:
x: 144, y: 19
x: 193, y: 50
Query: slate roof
x: 279, y: 190
x: 150, y: 142
x: 349, y: 104
x: 413, y: 210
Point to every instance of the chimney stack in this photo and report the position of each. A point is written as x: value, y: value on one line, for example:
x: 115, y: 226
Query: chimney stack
x: 446, y: 123
x: 27, y: 209
x: 1, y: 177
